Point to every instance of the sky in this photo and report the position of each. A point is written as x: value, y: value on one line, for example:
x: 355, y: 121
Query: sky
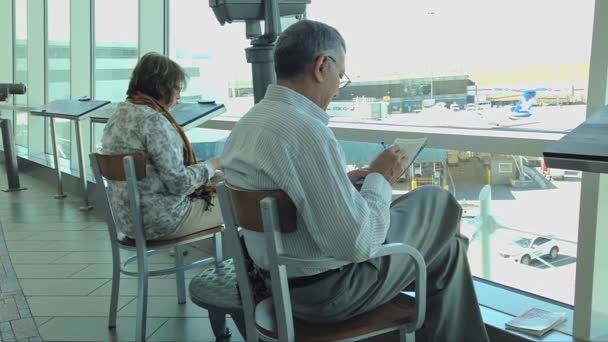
x: 490, y: 39
x: 460, y: 36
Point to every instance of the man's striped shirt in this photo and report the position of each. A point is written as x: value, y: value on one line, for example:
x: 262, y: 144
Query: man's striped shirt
x: 284, y: 143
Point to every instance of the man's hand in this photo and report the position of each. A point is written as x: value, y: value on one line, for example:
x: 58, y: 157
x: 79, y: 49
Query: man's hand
x: 357, y: 174
x: 389, y: 163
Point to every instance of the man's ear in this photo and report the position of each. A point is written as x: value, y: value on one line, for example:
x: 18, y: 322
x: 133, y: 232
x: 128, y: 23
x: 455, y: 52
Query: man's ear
x: 319, y: 69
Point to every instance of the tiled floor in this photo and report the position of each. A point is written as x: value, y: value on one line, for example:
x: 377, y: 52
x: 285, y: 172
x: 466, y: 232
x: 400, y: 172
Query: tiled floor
x: 55, y: 277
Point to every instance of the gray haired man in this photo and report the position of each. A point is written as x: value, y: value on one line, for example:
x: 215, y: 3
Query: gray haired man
x: 283, y: 142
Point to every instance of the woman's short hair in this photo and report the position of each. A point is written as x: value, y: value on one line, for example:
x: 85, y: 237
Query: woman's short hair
x: 157, y: 76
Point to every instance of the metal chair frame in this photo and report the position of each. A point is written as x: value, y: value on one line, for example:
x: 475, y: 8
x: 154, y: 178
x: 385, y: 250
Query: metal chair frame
x: 279, y: 260
x: 131, y: 176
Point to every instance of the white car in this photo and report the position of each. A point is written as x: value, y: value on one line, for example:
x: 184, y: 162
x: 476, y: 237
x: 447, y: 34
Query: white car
x: 484, y: 105
x: 455, y: 107
x: 525, y: 248
x: 469, y: 107
x: 561, y: 174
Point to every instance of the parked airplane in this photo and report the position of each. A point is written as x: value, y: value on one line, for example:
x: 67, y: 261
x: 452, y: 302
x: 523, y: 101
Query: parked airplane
x: 523, y: 108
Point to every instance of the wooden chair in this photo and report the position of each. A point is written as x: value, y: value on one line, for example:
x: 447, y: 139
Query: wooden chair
x: 274, y: 214
x: 131, y: 168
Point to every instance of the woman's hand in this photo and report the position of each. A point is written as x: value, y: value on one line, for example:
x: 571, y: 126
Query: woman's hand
x: 217, y: 163
x: 216, y: 179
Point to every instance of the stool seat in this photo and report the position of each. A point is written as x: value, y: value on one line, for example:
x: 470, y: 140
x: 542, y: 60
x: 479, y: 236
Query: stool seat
x: 215, y: 289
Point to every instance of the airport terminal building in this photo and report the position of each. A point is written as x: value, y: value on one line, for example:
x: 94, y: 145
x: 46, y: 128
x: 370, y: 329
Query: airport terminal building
x: 408, y: 94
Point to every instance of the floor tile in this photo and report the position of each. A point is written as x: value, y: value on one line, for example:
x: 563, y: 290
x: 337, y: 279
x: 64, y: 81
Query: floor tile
x: 78, y: 246
x: 86, y: 329
x: 76, y: 306
x: 60, y: 287
x: 166, y: 307
x: 97, y: 226
x: 35, y: 257
x: 24, y: 328
x: 58, y: 235
x: 105, y: 271
x: 128, y: 287
x: 205, y: 245
x: 47, y: 271
x: 85, y: 257
x: 191, y: 329
x: 40, y: 320
x: 189, y: 274
x: 17, y: 236
x: 51, y: 226
x: 20, y: 209
x: 27, y: 246
x: 164, y: 257
x: 39, y: 202
x: 44, y: 219
x: 100, y: 257
x: 62, y: 258
x: 8, y: 310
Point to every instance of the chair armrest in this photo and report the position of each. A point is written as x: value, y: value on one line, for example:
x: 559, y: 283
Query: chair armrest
x: 386, y: 249
x: 420, y: 288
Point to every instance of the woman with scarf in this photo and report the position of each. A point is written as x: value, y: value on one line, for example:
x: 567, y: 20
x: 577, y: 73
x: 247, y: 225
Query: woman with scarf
x: 175, y: 200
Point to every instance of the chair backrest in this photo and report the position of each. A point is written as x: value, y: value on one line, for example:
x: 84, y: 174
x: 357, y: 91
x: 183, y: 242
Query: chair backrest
x: 247, y: 213
x: 260, y: 211
x: 128, y: 168
x: 112, y: 167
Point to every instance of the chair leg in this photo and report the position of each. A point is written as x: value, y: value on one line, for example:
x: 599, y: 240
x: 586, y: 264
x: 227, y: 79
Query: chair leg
x: 219, y: 251
x: 239, y: 321
x: 142, y: 304
x: 405, y: 336
x: 218, y: 325
x: 116, y: 266
x: 179, y: 276
x: 114, y: 297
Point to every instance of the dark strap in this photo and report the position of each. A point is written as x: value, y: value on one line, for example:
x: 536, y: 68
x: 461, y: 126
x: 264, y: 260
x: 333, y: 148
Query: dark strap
x: 298, y: 282
x: 295, y: 283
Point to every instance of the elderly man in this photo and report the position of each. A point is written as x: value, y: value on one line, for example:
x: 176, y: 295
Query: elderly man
x: 283, y: 142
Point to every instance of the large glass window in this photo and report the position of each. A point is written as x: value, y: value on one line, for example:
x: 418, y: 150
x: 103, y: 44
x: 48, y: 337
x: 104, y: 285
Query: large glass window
x: 116, y: 41
x: 534, y: 210
x: 58, y: 50
x: 213, y: 55
x: 464, y: 64
x: 534, y: 230
x: 58, y: 64
x: 21, y: 118
x: 481, y: 66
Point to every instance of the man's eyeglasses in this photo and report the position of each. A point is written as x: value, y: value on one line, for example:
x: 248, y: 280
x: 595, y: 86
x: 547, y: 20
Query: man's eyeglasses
x: 344, y: 80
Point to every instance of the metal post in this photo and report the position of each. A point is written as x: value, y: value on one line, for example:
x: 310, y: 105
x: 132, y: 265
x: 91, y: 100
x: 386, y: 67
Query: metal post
x: 81, y: 167
x: 262, y: 66
x: 487, y: 227
x: 60, y: 194
x: 260, y: 54
x: 476, y: 97
x: 10, y: 158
